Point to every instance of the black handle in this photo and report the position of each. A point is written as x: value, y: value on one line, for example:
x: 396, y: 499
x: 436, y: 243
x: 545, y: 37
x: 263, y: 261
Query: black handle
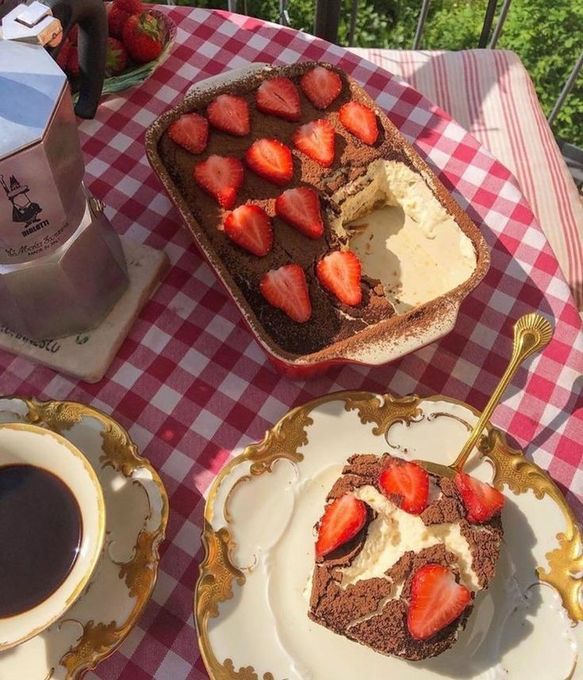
x: 92, y: 45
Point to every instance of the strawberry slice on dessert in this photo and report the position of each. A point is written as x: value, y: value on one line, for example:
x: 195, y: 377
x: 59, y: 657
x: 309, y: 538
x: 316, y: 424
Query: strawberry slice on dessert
x: 321, y: 86
x: 221, y: 177
x: 360, y: 120
x: 316, y: 140
x: 270, y: 159
x: 339, y: 272
x: 250, y: 227
x: 279, y: 97
x: 342, y: 520
x: 286, y: 289
x: 229, y: 113
x: 301, y: 209
x: 437, y: 600
x: 481, y: 500
x: 190, y: 131
x: 409, y: 482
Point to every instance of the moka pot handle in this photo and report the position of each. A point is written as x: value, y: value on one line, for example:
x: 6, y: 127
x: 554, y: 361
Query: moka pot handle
x: 92, y: 45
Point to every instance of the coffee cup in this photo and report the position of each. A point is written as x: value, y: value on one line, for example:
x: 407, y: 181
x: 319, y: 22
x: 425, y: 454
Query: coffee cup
x: 52, y: 527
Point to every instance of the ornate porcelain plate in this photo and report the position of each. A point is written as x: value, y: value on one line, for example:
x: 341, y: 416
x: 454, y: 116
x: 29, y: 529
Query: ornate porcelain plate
x: 251, y: 599
x: 136, y: 507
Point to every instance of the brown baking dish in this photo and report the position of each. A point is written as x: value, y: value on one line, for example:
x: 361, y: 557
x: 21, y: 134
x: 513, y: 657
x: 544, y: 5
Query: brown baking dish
x: 432, y: 243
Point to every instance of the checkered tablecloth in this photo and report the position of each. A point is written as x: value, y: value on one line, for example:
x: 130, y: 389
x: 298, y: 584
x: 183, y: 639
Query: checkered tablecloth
x: 193, y: 387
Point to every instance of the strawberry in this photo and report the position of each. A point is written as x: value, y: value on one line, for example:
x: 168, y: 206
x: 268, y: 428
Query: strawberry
x: 229, y: 114
x: 321, y: 86
x: 271, y: 159
x: 116, y: 58
x: 360, y: 120
x: 72, y: 67
x: 143, y: 36
x: 301, y: 208
x: 129, y: 6
x: 436, y: 600
x: 339, y: 273
x: 64, y: 52
x: 190, y: 131
x: 116, y: 20
x: 73, y: 34
x: 316, y: 140
x: 342, y: 520
x: 250, y: 227
x: 408, y: 481
x: 279, y: 97
x: 286, y: 289
x: 221, y: 177
x: 481, y: 500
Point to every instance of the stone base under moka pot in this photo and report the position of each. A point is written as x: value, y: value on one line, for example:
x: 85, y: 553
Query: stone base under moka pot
x: 88, y: 355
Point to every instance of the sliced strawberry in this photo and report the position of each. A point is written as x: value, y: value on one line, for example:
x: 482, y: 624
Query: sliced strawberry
x: 342, y: 520
x: 229, y: 114
x: 279, y: 97
x: 250, y: 227
x: 436, y: 600
x: 286, y: 289
x: 321, y: 86
x: 191, y: 131
x: 339, y: 272
x: 301, y: 208
x: 360, y: 120
x: 221, y: 177
x: 270, y: 159
x: 316, y: 140
x: 481, y: 500
x: 408, y: 481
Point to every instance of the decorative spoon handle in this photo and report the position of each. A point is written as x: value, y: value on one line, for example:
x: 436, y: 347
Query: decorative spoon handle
x: 532, y: 332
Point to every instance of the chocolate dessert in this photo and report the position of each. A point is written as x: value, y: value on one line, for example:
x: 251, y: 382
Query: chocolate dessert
x: 332, y: 146
x: 401, y: 553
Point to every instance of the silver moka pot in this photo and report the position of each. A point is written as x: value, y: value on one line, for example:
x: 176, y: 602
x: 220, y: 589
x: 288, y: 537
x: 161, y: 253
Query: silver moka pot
x: 61, y: 264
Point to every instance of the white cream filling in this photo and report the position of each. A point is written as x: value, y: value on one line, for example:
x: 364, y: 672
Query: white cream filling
x: 403, y: 235
x: 394, y: 532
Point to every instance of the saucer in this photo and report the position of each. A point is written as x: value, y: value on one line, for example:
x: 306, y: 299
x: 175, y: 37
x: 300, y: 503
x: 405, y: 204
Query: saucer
x: 136, y: 515
x: 252, y: 596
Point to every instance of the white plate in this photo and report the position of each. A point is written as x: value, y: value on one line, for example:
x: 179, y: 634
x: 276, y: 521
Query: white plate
x: 251, y: 600
x: 136, y: 508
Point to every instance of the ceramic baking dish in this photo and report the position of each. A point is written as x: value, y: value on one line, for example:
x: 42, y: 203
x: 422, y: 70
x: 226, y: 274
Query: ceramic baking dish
x: 378, y: 343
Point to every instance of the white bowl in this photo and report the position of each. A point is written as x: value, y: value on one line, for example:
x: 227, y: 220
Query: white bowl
x: 31, y: 445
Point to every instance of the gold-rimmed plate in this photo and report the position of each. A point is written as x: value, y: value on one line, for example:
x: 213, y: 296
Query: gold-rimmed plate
x: 136, y: 516
x: 251, y: 599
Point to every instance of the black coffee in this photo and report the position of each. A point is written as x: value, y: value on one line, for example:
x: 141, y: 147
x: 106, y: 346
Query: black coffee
x: 40, y: 533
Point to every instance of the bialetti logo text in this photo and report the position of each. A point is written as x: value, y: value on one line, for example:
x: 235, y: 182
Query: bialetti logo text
x: 24, y: 211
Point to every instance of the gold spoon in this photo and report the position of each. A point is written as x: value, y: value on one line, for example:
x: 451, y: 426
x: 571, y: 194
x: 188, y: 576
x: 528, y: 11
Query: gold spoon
x: 532, y: 332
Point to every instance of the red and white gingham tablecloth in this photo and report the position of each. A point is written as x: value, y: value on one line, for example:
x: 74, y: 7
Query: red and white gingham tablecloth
x: 193, y: 387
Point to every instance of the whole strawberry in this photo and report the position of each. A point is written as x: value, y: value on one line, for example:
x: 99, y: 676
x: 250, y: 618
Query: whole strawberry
x: 143, y: 37
x: 64, y: 54
x: 129, y: 6
x: 116, y: 58
x: 72, y: 68
x: 116, y: 20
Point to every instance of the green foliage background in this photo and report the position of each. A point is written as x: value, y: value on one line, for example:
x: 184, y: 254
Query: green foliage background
x: 548, y: 37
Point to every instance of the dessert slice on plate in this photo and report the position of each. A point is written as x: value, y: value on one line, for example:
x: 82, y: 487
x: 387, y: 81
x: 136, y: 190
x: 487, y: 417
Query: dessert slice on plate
x: 401, y: 554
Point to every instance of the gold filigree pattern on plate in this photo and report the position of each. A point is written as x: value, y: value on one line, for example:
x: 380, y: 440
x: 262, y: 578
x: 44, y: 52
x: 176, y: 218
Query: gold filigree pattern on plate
x: 58, y: 416
x: 100, y: 640
x: 521, y: 475
x: 119, y: 451
x: 384, y: 410
x: 95, y: 640
x: 511, y: 468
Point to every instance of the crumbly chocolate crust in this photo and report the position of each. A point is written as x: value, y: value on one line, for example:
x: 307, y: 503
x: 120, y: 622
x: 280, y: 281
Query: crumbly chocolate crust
x: 331, y: 329
x: 369, y: 611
